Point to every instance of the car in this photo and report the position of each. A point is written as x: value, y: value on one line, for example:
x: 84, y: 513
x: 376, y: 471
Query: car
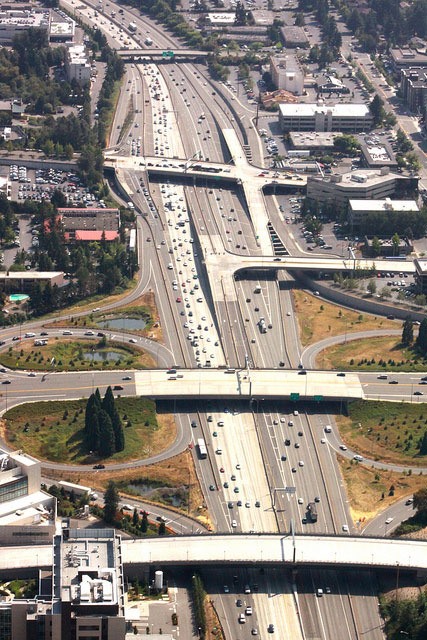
x: 254, y: 631
x: 294, y: 470
x: 239, y: 503
x: 247, y: 504
x: 44, y: 333
x: 257, y: 503
x: 64, y: 333
x: 341, y: 375
x: 290, y: 423
x: 418, y: 393
x: 127, y: 378
x: 343, y: 447
x: 394, y: 382
x: 89, y: 333
x: 100, y: 334
x: 211, y: 487
x: 31, y: 374
x: 270, y: 628
x: 222, y: 469
x: 238, y: 467
x: 283, y: 458
x: 99, y: 466
x: 6, y: 382
x: 230, y: 505
x: 225, y: 485
x: 316, y: 499
x: 236, y: 489
x: 233, y: 477
x: 133, y: 340
x: 409, y: 501
x: 301, y: 463
x: 322, y: 441
x: 345, y: 528
x: 248, y: 610
x: 117, y: 387
x: 297, y: 445
x: 234, y: 524
x: 382, y: 376
x: 226, y: 588
x: 300, y: 501
x: 239, y: 603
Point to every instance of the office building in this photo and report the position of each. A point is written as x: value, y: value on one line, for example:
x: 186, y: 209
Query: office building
x: 371, y: 184
x: 81, y: 597
x: 27, y: 514
x: 359, y: 210
x: 77, y: 65
x: 286, y: 73
x: 413, y: 87
x: 294, y: 37
x: 346, y: 118
x: 405, y: 57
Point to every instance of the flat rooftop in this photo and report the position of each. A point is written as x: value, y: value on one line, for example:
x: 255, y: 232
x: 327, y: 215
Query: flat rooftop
x: 309, y: 109
x: 88, y: 570
x: 307, y: 139
x: 382, y: 206
x: 34, y: 507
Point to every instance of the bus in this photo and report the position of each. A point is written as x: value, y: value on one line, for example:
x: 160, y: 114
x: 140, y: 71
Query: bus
x: 132, y: 27
x: 203, y: 452
x: 312, y: 511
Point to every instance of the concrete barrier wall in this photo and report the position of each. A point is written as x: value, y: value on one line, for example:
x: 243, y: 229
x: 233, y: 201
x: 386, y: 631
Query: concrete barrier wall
x: 354, y: 302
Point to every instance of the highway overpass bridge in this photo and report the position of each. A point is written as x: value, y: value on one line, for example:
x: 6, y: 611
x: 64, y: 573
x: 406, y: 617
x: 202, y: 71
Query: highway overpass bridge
x: 248, y: 384
x: 166, y: 55
x: 246, y: 549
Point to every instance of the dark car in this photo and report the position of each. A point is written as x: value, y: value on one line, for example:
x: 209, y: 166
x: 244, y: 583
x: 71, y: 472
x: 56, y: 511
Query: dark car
x: 239, y: 603
x: 341, y: 375
x: 393, y: 382
x: 44, y: 333
x: 283, y: 458
x: 418, y: 393
x: 100, y: 334
x: 6, y: 382
x: 117, y: 387
x: 287, y: 442
x: 99, y: 466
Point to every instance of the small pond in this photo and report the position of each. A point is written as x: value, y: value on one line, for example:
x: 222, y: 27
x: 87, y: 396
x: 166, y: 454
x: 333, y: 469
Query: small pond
x: 103, y: 356
x: 122, y: 323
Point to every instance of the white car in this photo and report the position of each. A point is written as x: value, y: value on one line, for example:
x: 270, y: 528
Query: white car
x: 345, y: 528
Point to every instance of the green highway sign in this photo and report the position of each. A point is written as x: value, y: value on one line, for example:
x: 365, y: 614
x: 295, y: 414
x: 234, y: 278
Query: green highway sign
x: 318, y: 398
x: 294, y: 396
x: 167, y: 54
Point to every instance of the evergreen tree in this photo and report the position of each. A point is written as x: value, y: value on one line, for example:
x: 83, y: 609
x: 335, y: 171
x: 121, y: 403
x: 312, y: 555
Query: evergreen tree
x: 423, y: 446
x: 98, y: 395
x: 408, y: 332
x: 119, y: 436
x: 108, y: 402
x: 144, y: 522
x: 135, y: 517
x: 91, y: 422
x: 111, y: 503
x: 106, y: 435
x: 162, y: 529
x: 421, y: 340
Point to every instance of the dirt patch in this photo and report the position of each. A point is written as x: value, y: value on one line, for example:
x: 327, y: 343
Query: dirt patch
x: 318, y: 319
x: 365, y: 487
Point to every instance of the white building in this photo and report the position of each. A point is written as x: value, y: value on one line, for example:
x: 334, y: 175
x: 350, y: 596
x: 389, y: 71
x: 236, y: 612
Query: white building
x: 360, y: 209
x: 18, y: 20
x: 320, y: 117
x: 372, y: 184
x: 286, y: 73
x: 77, y: 65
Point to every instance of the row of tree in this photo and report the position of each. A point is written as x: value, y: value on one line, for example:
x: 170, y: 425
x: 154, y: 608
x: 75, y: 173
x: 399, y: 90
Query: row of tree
x: 103, y: 427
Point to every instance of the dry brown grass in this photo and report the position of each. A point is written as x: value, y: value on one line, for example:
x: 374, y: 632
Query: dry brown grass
x: 213, y: 624
x: 365, y: 486
x: 340, y: 355
x: 318, y: 319
x: 175, y: 471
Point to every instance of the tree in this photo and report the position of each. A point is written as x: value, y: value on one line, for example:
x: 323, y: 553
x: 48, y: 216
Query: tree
x: 106, y: 435
x: 119, y: 436
x: 420, y: 499
x: 377, y: 109
x: 144, y: 522
x: 395, y: 241
x: 408, y: 332
x: 111, y: 503
x: 162, y: 529
x: 135, y: 517
x: 108, y: 402
x: 421, y: 340
x: 372, y: 287
x: 376, y: 246
x: 92, y: 423
x: 423, y: 451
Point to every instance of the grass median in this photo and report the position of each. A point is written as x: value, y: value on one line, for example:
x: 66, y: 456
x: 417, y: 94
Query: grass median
x: 55, y: 430
x: 318, y: 319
